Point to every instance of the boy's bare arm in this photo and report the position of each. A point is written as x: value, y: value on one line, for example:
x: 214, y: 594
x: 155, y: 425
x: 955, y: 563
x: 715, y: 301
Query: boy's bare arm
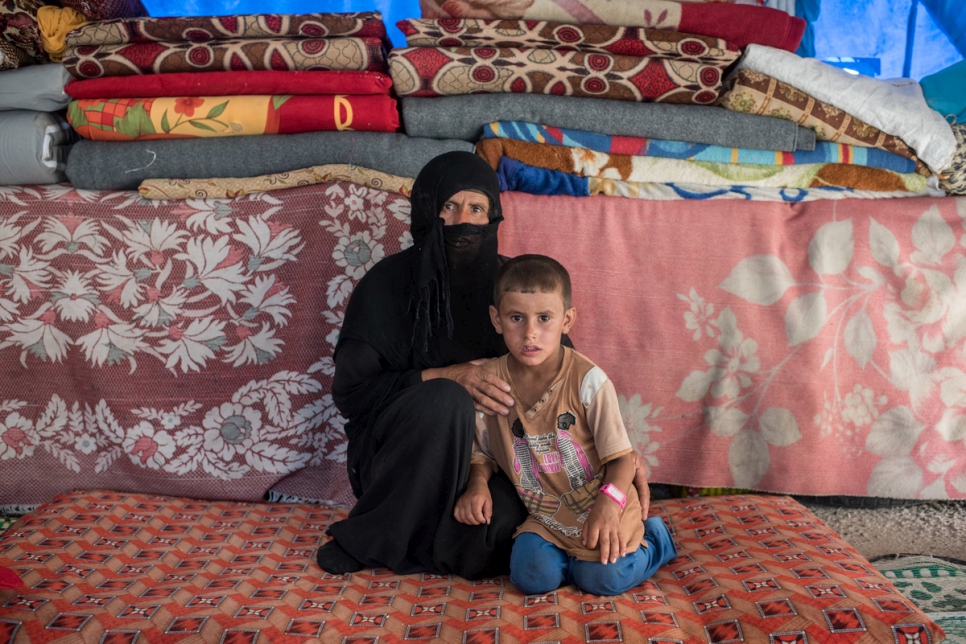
x: 475, y: 505
x: 603, y: 526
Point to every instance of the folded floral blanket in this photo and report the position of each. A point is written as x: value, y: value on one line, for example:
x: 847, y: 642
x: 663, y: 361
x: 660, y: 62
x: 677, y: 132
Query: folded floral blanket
x: 589, y: 163
x: 95, y: 61
x: 876, y: 102
x: 737, y: 24
x: 18, y: 27
x: 11, y: 56
x: 229, y: 188
x: 435, y: 71
x: 354, y: 83
x: 169, y: 117
x: 463, y: 117
x: 363, y: 24
x: 520, y: 177
x: 824, y: 151
x: 624, y: 41
x: 754, y: 93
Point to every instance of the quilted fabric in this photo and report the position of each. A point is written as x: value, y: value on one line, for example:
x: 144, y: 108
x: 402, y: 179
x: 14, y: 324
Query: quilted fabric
x: 625, y: 41
x: 437, y: 71
x: 755, y: 93
x: 954, y: 181
x: 106, y: 9
x: 18, y: 26
x: 225, y: 311
x: 95, y: 61
x: 365, y: 24
x: 754, y: 569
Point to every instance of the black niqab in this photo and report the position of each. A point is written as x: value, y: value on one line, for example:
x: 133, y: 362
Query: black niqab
x: 427, y: 306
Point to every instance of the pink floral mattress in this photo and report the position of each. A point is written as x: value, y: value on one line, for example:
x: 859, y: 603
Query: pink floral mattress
x: 185, y: 347
x: 110, y: 567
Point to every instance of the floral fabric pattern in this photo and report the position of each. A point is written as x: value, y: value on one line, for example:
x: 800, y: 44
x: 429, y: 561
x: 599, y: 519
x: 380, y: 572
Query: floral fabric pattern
x: 437, y: 71
x: 363, y: 24
x: 832, y: 365
x: 624, y: 41
x: 181, y: 117
x: 222, y: 188
x: 96, y: 61
x: 18, y: 26
x: 186, y: 345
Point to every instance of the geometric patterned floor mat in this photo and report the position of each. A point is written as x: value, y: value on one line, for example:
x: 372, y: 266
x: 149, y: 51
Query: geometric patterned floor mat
x: 937, y: 586
x: 101, y: 566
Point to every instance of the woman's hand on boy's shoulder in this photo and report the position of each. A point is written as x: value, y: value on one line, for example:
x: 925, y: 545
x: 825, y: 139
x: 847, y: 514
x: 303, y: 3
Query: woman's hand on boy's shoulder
x: 491, y: 395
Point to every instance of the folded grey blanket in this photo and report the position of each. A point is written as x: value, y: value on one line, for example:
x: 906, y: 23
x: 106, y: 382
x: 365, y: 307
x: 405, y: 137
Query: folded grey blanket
x: 35, y: 87
x: 34, y: 147
x: 462, y: 117
x: 100, y: 165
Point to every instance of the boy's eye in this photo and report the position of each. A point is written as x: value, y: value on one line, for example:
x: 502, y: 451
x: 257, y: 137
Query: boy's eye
x: 544, y: 318
x: 516, y: 318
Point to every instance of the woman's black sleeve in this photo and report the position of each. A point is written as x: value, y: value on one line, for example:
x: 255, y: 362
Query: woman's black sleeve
x: 364, y: 381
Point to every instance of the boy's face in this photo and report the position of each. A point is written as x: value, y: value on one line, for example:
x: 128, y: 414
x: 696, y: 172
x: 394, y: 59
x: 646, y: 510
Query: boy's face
x: 531, y: 324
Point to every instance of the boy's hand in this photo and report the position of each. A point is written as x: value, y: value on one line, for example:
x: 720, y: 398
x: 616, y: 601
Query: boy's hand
x: 603, y: 529
x: 475, y: 505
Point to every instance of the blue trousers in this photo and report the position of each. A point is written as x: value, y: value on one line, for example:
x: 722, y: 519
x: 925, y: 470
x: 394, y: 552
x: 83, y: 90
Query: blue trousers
x: 537, y: 566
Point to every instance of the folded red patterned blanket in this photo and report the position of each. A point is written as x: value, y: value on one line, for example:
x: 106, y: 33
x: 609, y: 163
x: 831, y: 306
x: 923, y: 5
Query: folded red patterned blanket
x: 95, y: 61
x: 169, y: 117
x: 363, y: 24
x: 353, y: 83
x: 624, y: 41
x: 738, y: 24
x: 436, y: 71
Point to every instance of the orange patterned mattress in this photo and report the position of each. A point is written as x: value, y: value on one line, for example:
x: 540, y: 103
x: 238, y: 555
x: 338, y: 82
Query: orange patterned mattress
x: 101, y: 566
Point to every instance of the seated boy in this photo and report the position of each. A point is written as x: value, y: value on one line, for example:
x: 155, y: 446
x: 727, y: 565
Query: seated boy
x: 563, y: 445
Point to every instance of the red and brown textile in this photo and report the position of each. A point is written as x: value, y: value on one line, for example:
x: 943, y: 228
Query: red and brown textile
x: 106, y: 566
x: 95, y: 61
x: 739, y: 25
x: 756, y: 93
x: 180, y: 347
x: 11, y: 56
x: 363, y: 24
x: 436, y: 71
x: 18, y: 26
x: 169, y: 117
x: 106, y: 9
x: 623, y: 41
x: 318, y: 83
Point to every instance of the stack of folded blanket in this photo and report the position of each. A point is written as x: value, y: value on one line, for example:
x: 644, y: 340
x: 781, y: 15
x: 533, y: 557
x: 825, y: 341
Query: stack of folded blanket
x: 160, y: 78
x: 35, y: 138
x: 233, y: 97
x: 625, y: 98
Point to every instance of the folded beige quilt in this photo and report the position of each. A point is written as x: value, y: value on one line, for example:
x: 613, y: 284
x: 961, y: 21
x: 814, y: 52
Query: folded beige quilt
x: 227, y: 188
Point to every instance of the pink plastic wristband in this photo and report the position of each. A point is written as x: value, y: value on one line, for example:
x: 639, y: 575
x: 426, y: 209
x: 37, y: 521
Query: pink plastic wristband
x: 614, y: 492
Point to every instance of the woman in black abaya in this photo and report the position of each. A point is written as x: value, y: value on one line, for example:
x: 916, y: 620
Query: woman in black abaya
x: 408, y: 380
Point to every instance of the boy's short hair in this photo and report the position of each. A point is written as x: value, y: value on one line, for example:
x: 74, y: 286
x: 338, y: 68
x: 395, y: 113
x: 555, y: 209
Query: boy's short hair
x: 532, y: 274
